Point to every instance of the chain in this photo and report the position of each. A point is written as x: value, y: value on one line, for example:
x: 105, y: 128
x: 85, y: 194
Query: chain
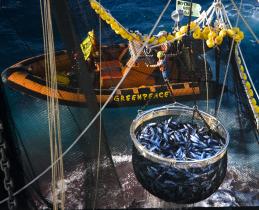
x: 5, y: 167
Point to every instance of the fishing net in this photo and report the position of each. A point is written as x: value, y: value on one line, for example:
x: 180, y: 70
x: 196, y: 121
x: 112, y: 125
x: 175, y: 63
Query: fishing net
x: 180, y: 181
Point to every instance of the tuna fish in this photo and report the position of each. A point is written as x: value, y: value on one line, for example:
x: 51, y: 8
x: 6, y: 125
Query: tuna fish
x: 180, y: 141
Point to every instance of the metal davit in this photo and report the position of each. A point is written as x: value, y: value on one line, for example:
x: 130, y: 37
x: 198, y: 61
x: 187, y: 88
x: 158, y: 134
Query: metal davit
x: 179, y: 181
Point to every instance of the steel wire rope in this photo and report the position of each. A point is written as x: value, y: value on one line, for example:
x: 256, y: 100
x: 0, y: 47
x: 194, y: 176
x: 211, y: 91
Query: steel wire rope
x: 53, y: 106
x: 206, y: 70
x: 100, y: 116
x: 228, y: 62
x: 131, y: 63
x: 206, y: 76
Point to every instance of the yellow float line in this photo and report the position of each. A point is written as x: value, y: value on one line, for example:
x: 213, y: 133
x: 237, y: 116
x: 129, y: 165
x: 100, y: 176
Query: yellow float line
x: 245, y: 83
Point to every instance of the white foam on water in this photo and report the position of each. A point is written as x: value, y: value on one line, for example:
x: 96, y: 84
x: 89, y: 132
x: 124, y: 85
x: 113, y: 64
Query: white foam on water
x: 73, y: 185
x: 121, y: 158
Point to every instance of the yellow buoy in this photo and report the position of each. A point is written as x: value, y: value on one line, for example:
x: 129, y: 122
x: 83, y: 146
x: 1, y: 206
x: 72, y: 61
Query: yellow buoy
x: 130, y: 38
x: 124, y: 35
x: 256, y: 108
x: 242, y: 68
x: 120, y: 31
x: 151, y: 40
x: 239, y: 61
x: 237, y: 38
x: 231, y: 32
x: 241, y: 35
x: 253, y: 101
x: 210, y: 43
x: 178, y: 35
x: 94, y: 5
x: 112, y: 21
x: 250, y: 93
x: 248, y: 85
x: 183, y: 29
x: 236, y: 29
x: 192, y: 25
x: 197, y: 33
x: 145, y: 38
x: 244, y: 76
x: 115, y: 26
x: 223, y: 33
x: 205, y: 32
x: 135, y: 36
x: 161, y: 39
x: 212, y: 35
x: 169, y: 37
x: 106, y: 16
x: 218, y: 40
x: 97, y: 10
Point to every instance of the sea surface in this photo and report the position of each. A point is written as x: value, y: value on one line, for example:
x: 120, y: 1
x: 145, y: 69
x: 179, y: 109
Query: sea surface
x: 21, y: 37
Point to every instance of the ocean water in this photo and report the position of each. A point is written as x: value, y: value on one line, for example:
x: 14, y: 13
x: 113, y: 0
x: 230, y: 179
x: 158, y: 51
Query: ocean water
x: 21, y: 37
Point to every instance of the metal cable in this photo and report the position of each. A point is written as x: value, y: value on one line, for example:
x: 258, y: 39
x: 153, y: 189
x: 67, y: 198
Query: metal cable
x: 100, y: 117
x: 206, y: 76
x: 129, y: 66
x: 53, y: 106
x: 227, y: 67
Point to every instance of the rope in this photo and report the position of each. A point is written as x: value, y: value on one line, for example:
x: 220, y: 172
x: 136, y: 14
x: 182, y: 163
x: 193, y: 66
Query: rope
x: 205, y: 64
x: 131, y: 63
x: 227, y: 67
x: 206, y: 77
x: 100, y: 117
x: 244, y: 20
x: 53, y: 107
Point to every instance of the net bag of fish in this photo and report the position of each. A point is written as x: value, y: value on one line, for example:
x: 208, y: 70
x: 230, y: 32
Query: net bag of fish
x: 175, y: 156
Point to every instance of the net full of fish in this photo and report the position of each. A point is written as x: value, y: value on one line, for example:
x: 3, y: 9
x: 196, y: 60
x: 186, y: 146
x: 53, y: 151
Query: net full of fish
x: 179, y: 141
x: 177, y: 158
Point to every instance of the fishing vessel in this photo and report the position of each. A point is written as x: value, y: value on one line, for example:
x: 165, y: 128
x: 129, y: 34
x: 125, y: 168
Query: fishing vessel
x: 143, y: 84
x: 110, y: 168
x: 187, y: 72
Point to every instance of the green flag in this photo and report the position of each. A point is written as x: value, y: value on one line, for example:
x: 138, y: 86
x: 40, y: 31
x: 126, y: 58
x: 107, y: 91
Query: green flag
x: 185, y: 6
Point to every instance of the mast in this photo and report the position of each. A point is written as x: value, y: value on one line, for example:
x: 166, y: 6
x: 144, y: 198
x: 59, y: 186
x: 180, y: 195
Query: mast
x: 67, y: 31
